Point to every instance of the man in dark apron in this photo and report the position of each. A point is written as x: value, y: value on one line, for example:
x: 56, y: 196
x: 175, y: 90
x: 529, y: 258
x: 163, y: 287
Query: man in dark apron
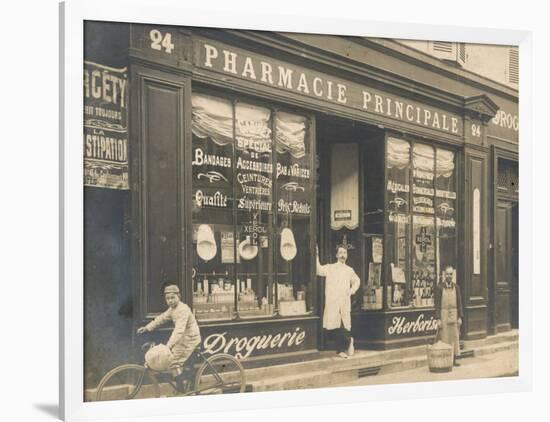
x: 448, y: 312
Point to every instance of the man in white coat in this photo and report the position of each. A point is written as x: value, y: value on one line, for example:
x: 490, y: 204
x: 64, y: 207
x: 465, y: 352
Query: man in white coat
x: 341, y: 283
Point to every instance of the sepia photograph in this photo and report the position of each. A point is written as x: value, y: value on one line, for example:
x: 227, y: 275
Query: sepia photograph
x: 273, y: 211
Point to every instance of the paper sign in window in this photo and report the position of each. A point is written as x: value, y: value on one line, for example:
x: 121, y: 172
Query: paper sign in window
x: 476, y: 232
x: 344, y: 197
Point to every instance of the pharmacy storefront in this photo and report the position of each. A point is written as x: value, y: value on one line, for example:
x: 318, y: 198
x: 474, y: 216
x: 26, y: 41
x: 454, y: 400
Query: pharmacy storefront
x: 220, y: 159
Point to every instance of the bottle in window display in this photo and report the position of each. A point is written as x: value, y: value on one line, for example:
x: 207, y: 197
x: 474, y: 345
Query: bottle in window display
x: 205, y: 286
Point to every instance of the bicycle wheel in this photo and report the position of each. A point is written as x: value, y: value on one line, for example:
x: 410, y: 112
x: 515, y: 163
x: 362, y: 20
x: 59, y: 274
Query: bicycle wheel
x: 127, y: 382
x: 220, y: 374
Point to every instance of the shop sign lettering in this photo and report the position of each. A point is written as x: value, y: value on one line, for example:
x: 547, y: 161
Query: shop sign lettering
x: 399, y: 218
x: 253, y: 204
x: 447, y: 223
x: 217, y: 200
x: 201, y: 158
x: 293, y: 207
x: 342, y: 215
x: 402, y: 325
x: 506, y: 120
x: 107, y: 85
x: 261, y: 146
x: 245, y: 179
x: 421, y: 174
x: 423, y: 205
x: 445, y: 194
x: 281, y: 75
x: 254, y: 229
x: 395, y: 187
x: 250, y: 165
x: 294, y: 171
x: 419, y: 190
x: 243, y: 347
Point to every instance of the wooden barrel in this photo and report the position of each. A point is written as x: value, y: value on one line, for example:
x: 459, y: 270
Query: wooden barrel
x: 440, y: 357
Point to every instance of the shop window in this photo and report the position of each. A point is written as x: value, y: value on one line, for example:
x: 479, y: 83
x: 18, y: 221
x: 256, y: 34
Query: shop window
x: 507, y: 177
x: 445, y: 211
x: 294, y: 170
x: 373, y: 223
x: 398, y: 209
x: 421, y: 194
x: 252, y: 196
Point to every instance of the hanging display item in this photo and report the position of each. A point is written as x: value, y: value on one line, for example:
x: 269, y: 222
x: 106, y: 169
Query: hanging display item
x: 288, y: 245
x: 291, y: 129
x: 344, y: 195
x: 247, y: 250
x: 212, y: 118
x: 206, y: 243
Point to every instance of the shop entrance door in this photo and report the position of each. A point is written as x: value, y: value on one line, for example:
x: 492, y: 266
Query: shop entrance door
x: 514, y: 288
x: 506, y: 243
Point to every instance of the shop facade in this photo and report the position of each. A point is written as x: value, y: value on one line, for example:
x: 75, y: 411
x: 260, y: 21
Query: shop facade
x: 236, y: 153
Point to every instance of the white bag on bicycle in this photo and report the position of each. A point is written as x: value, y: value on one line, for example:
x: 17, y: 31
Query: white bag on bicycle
x: 158, y: 358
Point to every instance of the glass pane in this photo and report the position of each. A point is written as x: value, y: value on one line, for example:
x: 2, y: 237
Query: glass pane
x: 423, y: 235
x: 254, y: 203
x: 373, y: 249
x: 423, y: 179
x: 423, y: 267
x: 293, y: 222
x: 445, y: 208
x: 398, y: 197
x: 212, y: 209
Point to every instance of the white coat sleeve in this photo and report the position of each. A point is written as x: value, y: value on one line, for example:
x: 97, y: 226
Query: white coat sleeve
x: 321, y: 269
x: 355, y: 282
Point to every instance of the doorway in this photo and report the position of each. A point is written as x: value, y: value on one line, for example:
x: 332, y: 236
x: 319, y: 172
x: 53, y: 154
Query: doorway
x: 506, y: 275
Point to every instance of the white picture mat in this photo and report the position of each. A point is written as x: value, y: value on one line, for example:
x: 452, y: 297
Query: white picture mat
x: 71, y: 301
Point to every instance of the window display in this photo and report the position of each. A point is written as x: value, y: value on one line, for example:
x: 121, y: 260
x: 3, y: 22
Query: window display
x: 398, y: 210
x: 421, y: 188
x: 445, y: 210
x: 372, y: 295
x: 252, y: 191
x: 294, y: 187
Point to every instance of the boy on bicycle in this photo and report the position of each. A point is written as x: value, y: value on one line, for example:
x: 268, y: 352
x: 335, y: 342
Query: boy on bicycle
x: 186, y: 334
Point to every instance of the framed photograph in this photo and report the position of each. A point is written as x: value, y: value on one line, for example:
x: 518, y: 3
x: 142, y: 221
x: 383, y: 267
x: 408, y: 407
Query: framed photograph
x: 220, y: 159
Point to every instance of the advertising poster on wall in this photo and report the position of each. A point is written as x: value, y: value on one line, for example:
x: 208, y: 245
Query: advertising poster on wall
x: 105, y: 126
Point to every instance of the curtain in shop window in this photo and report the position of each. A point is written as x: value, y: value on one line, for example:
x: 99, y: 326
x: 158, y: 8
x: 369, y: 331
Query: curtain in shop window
x: 252, y: 128
x: 290, y: 134
x: 445, y: 163
x: 398, y: 153
x: 423, y: 158
x: 212, y: 118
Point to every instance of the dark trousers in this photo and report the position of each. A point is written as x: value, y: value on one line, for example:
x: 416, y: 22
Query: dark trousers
x: 341, y: 338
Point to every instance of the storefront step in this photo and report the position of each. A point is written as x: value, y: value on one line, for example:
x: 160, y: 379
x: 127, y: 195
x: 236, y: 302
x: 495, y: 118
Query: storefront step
x: 337, y: 375
x: 495, y: 348
x: 362, y: 359
x: 334, y: 371
x: 507, y: 336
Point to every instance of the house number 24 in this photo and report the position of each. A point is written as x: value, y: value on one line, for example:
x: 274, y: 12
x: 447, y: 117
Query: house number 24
x: 476, y: 130
x: 158, y: 41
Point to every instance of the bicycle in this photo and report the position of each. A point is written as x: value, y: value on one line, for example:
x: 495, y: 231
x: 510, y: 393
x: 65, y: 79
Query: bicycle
x: 217, y: 374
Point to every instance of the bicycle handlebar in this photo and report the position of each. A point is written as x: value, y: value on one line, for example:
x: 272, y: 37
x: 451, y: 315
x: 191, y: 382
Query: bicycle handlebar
x: 147, y: 346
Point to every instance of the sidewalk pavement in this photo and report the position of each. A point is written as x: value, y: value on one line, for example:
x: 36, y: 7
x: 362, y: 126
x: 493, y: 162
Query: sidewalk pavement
x: 489, y: 357
x: 498, y: 364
